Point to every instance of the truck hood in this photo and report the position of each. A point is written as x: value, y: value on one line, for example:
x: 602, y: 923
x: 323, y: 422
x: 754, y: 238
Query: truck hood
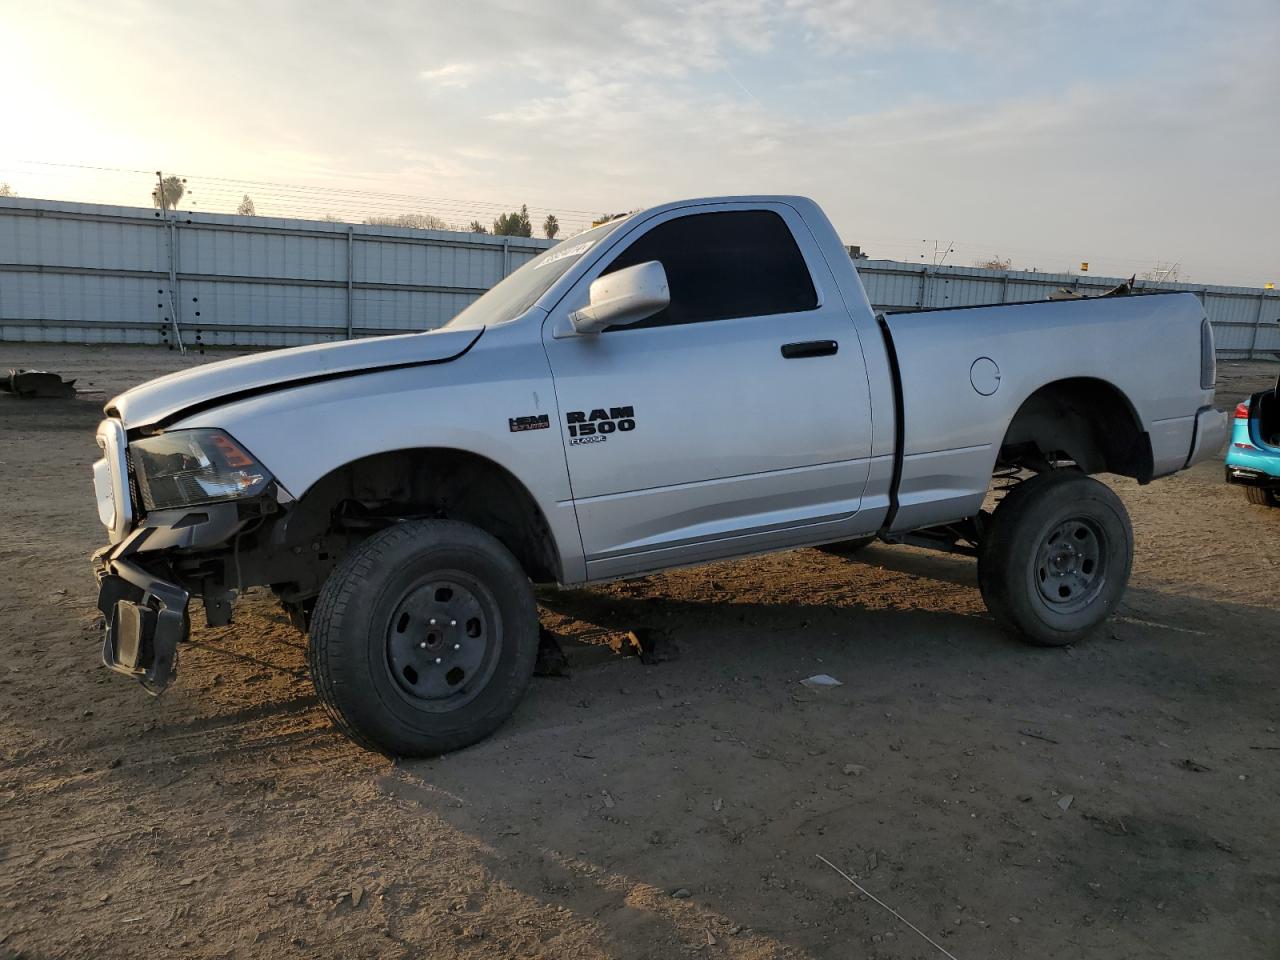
x: 160, y: 401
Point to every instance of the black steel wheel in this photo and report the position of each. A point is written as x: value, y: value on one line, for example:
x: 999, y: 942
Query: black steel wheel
x: 1055, y: 557
x: 424, y: 638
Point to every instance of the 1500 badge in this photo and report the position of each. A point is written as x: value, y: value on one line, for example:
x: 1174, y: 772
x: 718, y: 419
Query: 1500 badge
x: 594, y: 426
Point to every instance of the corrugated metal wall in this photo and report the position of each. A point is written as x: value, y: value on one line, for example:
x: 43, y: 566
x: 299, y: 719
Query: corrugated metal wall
x: 1246, y: 320
x: 84, y: 273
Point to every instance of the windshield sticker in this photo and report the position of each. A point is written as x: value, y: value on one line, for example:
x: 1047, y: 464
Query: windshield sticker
x: 577, y: 250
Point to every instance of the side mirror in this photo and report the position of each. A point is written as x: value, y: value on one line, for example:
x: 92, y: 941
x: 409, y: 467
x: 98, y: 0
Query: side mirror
x: 627, y: 296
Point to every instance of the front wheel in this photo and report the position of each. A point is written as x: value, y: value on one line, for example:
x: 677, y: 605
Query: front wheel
x: 1262, y: 496
x: 1055, y: 558
x: 423, y: 639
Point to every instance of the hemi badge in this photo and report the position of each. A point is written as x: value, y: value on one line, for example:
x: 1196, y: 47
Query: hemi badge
x: 520, y: 424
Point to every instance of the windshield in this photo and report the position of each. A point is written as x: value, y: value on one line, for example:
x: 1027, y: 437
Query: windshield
x: 520, y: 291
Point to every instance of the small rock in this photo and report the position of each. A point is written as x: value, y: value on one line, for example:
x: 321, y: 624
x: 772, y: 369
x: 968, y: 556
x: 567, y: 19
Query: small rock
x: 717, y: 805
x: 608, y: 800
x: 357, y: 895
x: 680, y: 894
x: 1065, y: 801
x: 853, y: 769
x: 1015, y: 919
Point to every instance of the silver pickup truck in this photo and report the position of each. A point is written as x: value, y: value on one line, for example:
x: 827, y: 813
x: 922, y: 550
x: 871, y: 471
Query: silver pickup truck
x: 702, y: 380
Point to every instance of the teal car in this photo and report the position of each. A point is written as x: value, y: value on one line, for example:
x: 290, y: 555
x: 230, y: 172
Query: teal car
x: 1253, y: 458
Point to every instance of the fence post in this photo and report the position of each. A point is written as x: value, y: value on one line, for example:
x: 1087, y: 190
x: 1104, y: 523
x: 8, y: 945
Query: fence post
x: 174, y: 300
x: 171, y: 228
x: 1257, y: 323
x: 350, y: 267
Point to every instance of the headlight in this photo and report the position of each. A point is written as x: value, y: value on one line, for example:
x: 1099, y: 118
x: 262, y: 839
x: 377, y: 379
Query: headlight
x: 188, y: 467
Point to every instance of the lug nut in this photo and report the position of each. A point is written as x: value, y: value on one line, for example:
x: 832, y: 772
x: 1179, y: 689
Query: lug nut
x: 437, y: 659
x: 457, y: 646
x: 453, y: 623
x: 423, y: 645
x: 432, y: 621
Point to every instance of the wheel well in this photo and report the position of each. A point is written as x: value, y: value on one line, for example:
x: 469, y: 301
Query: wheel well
x: 376, y: 491
x: 1082, y: 419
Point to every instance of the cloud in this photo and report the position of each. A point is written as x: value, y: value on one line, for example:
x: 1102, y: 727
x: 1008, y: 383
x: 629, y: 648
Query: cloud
x: 452, y: 75
x: 1024, y: 125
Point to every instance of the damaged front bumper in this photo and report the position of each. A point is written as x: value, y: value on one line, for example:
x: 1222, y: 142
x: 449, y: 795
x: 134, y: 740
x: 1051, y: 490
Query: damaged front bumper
x: 145, y: 615
x: 145, y: 619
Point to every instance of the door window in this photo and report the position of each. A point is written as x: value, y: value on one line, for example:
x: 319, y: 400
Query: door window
x: 741, y: 263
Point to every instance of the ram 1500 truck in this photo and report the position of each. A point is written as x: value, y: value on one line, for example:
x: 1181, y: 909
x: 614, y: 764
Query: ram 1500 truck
x: 702, y: 380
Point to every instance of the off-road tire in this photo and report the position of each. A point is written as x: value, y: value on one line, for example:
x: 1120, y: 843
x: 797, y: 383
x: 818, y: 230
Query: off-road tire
x: 1262, y: 496
x: 353, y: 629
x: 1055, y: 558
x: 847, y: 548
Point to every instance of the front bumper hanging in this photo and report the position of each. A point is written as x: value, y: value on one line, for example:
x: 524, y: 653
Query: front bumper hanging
x: 145, y: 620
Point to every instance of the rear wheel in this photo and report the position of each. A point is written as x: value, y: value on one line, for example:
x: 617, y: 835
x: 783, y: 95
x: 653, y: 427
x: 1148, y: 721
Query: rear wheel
x: 1262, y: 496
x: 1055, y: 558
x: 424, y: 638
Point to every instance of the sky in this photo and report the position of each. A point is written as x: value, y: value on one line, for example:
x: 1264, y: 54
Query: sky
x: 1127, y: 133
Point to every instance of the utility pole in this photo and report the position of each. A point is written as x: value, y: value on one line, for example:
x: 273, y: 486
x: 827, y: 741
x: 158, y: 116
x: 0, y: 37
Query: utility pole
x: 172, y: 226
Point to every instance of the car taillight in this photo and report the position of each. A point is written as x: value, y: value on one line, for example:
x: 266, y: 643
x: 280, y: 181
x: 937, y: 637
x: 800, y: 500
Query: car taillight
x: 1242, y: 410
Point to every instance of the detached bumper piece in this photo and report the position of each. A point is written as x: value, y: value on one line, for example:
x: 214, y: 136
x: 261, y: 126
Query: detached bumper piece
x: 146, y: 619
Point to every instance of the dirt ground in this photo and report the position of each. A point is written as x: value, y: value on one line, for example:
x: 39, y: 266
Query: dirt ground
x: 1119, y: 798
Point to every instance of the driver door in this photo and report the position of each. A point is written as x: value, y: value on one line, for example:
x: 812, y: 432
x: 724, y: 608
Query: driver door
x: 735, y: 420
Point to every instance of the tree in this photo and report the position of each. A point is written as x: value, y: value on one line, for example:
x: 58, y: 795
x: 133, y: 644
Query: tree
x: 410, y: 221
x: 174, y: 188
x: 551, y: 226
x: 513, y: 224
x: 6, y: 190
x: 246, y: 206
x: 993, y: 263
x: 477, y: 227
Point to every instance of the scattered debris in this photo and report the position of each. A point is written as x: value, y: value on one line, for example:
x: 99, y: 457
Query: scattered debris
x: 1193, y: 766
x: 853, y: 769
x: 37, y: 384
x: 608, y: 799
x: 1037, y: 735
x: 820, y: 681
x: 1065, y: 802
x: 871, y: 896
x: 717, y: 804
x: 551, y: 661
x: 650, y: 644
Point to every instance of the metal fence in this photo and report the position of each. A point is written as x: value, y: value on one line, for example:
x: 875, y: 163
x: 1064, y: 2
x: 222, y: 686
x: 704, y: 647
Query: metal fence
x: 1246, y: 320
x: 85, y: 273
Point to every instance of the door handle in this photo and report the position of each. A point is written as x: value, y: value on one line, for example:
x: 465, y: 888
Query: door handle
x: 810, y: 348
